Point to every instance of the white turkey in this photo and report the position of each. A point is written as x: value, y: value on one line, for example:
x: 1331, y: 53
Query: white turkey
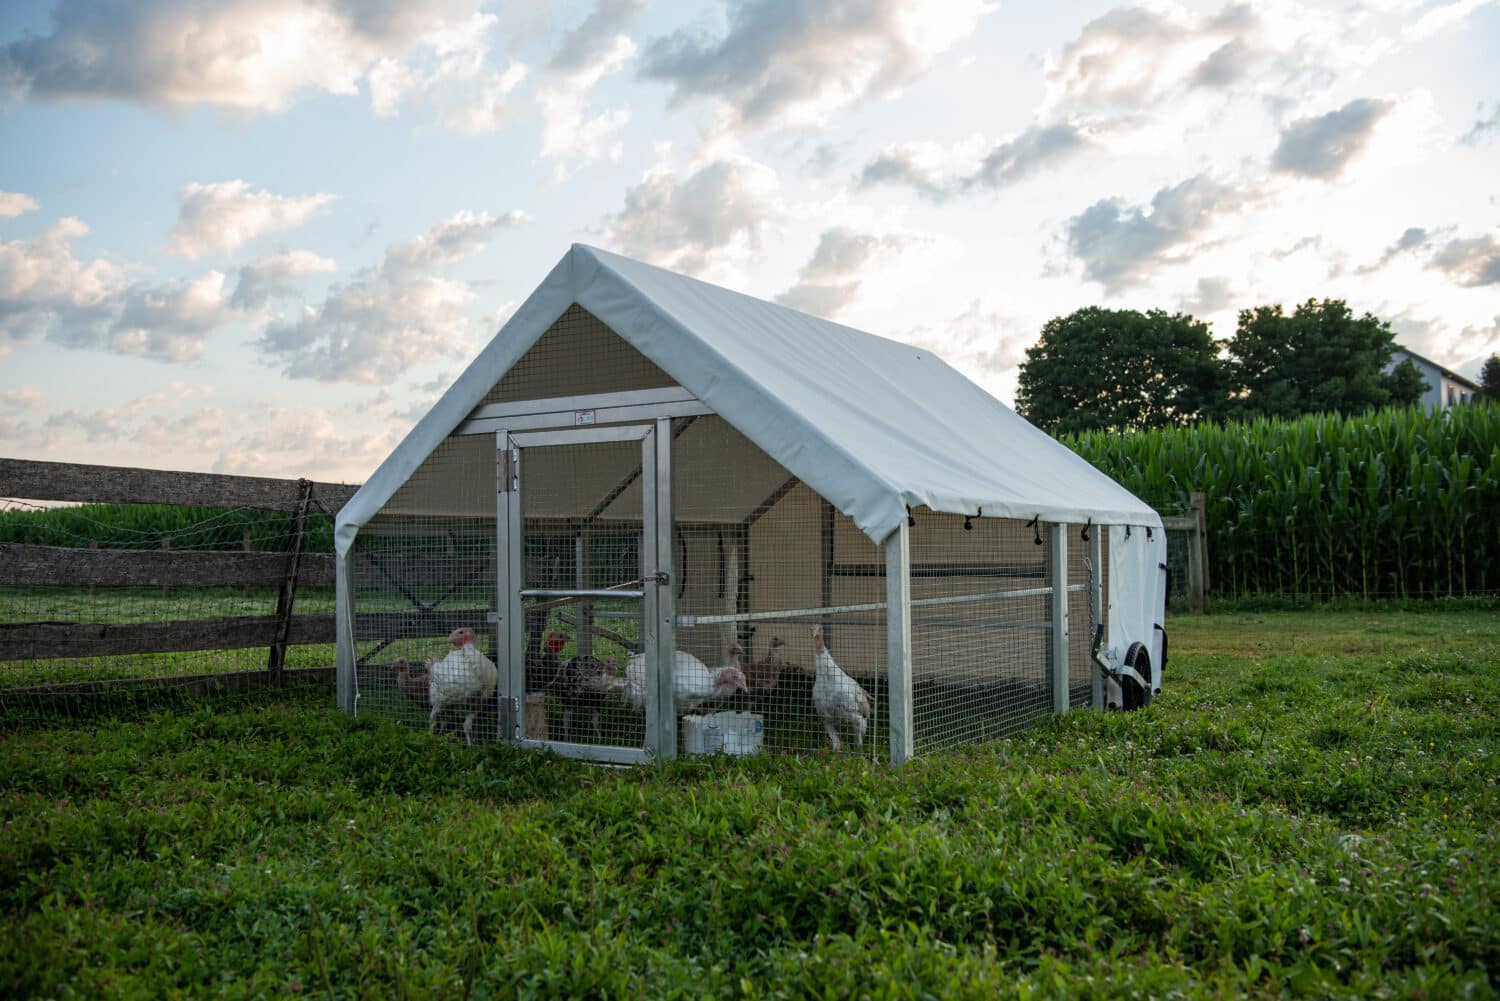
x: 693, y: 682
x: 838, y: 698
x: 465, y: 679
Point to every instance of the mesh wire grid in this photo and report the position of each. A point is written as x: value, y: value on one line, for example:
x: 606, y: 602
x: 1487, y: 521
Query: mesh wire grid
x: 70, y: 649
x: 981, y: 666
x: 421, y: 569
x: 759, y: 561
x: 1177, y: 565
x: 757, y: 553
x: 585, y: 677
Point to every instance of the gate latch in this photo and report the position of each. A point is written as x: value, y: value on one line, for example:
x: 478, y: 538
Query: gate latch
x: 663, y: 578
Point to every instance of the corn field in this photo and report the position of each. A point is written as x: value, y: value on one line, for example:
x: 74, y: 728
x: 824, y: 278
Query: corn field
x: 140, y: 526
x: 1396, y: 503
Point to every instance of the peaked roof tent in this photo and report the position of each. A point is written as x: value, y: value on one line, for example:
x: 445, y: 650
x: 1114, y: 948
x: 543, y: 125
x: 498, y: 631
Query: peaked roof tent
x: 870, y: 424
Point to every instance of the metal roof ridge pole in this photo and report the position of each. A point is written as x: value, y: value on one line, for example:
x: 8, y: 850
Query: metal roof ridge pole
x: 1059, y: 618
x: 898, y: 642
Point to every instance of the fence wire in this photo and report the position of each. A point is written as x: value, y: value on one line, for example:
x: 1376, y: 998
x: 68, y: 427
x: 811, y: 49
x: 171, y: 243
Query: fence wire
x: 71, y: 648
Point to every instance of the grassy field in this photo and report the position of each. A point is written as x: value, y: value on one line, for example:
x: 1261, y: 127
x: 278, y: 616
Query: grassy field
x: 1310, y: 809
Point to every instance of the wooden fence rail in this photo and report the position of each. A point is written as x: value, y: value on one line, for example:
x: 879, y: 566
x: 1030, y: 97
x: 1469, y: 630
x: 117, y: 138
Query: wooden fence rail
x: 27, y: 566
x: 68, y: 481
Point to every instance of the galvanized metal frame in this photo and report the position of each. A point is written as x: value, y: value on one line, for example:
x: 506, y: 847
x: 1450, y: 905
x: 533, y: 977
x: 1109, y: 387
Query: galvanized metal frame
x: 1060, y: 591
x: 661, y: 600
x: 510, y: 533
x: 583, y: 411
x: 898, y: 644
x: 1096, y: 604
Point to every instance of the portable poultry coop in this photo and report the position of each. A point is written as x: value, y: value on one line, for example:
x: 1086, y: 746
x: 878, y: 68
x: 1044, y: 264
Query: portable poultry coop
x: 645, y: 480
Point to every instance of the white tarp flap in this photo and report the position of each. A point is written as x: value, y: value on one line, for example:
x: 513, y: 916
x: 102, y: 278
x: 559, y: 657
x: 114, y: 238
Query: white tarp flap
x: 1137, y: 594
x: 870, y: 424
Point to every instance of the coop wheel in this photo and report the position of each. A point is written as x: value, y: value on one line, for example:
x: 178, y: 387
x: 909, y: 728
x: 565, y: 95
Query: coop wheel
x: 1132, y: 694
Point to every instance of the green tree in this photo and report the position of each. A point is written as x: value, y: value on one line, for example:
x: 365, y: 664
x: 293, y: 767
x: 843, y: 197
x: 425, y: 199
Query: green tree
x: 1119, y: 369
x: 1489, y: 379
x: 1321, y: 359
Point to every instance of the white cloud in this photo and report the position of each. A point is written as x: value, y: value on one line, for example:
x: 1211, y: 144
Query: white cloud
x: 1323, y: 145
x: 1120, y: 245
x: 573, y: 139
x: 454, y: 238
x: 222, y: 217
x: 43, y: 287
x: 389, y: 319
x: 450, y: 78
x: 1210, y: 295
x: 1483, y: 126
x: 830, y: 281
x: 171, y: 321
x: 795, y: 64
x: 1138, y: 62
x: 249, y: 55
x: 275, y: 277
x: 981, y: 340
x: 45, y: 291
x: 599, y: 45
x: 1469, y: 262
x: 1442, y: 17
x: 13, y: 204
x: 940, y: 173
x: 25, y: 398
x: 693, y: 224
x: 307, y: 441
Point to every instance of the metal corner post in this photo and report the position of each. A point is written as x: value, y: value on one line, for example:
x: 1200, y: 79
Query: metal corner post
x: 343, y: 615
x: 1096, y: 605
x: 510, y: 632
x: 660, y: 487
x: 898, y: 642
x: 1059, y: 584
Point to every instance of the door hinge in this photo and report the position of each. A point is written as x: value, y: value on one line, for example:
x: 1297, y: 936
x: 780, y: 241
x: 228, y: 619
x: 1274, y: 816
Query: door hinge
x: 514, y: 704
x: 505, y: 462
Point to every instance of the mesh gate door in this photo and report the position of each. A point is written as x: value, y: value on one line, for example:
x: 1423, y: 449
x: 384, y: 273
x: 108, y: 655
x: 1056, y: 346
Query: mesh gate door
x: 580, y: 550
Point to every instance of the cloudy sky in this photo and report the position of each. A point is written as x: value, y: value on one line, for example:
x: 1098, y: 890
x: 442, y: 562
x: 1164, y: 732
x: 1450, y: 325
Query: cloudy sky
x: 262, y: 236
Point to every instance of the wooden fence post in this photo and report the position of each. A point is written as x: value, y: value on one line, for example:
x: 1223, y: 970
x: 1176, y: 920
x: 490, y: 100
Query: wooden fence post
x: 288, y: 595
x: 1200, y: 582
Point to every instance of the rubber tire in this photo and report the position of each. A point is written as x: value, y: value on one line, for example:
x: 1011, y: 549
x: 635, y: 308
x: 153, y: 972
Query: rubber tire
x: 1138, y: 658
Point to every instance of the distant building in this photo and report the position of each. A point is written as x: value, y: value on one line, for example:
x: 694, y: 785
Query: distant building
x: 1445, y: 387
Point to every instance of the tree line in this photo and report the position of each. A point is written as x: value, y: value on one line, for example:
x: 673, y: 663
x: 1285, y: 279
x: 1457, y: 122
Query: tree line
x: 1124, y: 370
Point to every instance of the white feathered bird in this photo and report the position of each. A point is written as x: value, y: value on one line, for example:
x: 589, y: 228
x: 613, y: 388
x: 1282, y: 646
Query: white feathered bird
x: 465, y: 679
x: 839, y: 699
x: 693, y: 682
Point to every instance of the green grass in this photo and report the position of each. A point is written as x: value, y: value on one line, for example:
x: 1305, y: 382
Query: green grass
x: 1310, y: 809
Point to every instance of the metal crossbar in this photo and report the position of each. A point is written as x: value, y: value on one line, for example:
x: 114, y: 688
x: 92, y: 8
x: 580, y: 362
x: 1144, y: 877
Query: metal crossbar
x: 688, y: 621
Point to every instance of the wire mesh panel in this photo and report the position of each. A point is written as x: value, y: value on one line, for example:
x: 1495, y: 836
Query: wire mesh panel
x: 1178, y: 542
x: 585, y: 675
x: 1082, y: 616
x: 762, y: 561
x: 577, y: 355
x: 135, y: 632
x: 423, y: 578
x: 980, y: 628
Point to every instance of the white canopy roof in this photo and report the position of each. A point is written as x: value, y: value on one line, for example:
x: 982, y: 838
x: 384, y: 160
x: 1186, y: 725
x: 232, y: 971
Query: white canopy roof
x: 870, y: 424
